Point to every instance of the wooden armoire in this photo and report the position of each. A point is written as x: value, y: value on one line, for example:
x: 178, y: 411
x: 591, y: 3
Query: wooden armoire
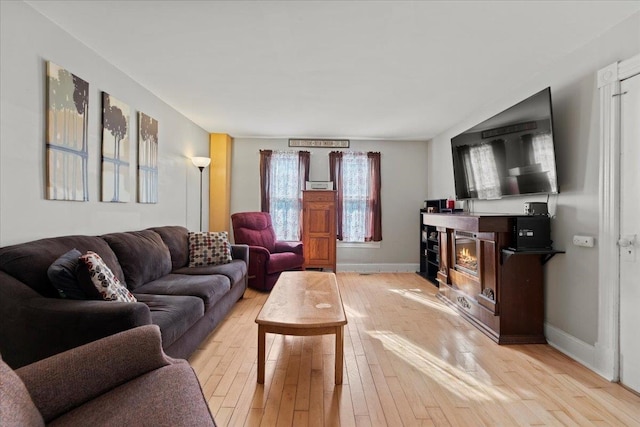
x: 319, y: 228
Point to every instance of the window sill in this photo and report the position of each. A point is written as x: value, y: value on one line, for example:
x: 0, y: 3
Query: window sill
x: 359, y: 245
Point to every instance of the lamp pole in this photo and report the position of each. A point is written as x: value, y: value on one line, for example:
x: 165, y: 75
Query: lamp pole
x: 201, y: 169
x: 201, y: 163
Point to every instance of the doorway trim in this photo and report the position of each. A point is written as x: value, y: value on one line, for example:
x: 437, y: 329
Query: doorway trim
x: 607, y: 346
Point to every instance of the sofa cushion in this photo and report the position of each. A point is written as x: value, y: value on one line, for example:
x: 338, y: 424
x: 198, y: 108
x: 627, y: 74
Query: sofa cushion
x: 209, y: 288
x: 209, y: 248
x: 28, y: 262
x: 174, y: 314
x: 142, y: 254
x: 98, y: 282
x: 284, y: 261
x: 63, y: 275
x: 176, y: 239
x: 235, y: 270
x: 16, y: 406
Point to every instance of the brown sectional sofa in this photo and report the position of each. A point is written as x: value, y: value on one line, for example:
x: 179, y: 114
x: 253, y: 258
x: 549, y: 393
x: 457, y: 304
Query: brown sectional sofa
x: 186, y: 303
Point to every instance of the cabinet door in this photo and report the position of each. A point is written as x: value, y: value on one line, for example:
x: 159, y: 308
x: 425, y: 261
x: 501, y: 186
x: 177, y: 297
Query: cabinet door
x: 320, y: 231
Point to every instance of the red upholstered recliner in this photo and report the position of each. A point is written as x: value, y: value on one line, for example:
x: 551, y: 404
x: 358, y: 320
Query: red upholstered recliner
x: 268, y: 257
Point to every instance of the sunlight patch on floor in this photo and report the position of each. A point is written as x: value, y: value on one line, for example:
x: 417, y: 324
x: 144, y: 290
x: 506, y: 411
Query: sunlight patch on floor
x: 417, y: 296
x: 351, y: 313
x: 456, y: 380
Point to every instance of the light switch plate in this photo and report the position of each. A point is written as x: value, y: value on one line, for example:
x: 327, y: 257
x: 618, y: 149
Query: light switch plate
x: 584, y: 241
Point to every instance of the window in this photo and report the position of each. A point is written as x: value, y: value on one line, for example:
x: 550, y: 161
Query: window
x: 282, y: 178
x: 357, y: 179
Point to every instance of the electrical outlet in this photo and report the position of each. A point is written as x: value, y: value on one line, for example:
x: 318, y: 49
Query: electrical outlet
x: 585, y: 241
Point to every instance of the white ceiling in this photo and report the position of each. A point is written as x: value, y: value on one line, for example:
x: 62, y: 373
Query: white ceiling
x: 360, y: 70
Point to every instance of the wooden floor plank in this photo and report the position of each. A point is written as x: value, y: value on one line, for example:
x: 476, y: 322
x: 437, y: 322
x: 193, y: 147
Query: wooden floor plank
x: 409, y: 360
x: 316, y: 400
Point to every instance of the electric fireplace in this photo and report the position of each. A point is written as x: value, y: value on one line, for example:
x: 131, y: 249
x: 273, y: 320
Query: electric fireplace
x: 466, y: 252
x: 499, y: 290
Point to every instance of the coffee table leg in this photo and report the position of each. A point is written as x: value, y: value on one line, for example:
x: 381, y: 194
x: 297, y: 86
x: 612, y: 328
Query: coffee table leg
x: 261, y: 355
x: 339, y: 353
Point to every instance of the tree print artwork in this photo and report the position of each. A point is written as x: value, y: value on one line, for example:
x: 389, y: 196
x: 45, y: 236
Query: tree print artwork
x: 147, y: 159
x: 66, y: 139
x: 115, y: 150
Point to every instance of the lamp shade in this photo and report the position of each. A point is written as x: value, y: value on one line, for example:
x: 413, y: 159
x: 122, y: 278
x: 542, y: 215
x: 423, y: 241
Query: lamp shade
x: 201, y: 162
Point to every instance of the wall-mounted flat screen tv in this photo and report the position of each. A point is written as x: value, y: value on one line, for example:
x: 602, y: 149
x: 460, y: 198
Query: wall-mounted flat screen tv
x: 510, y: 154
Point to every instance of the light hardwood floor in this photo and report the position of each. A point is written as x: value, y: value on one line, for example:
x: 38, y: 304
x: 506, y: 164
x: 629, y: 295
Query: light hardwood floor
x: 409, y: 360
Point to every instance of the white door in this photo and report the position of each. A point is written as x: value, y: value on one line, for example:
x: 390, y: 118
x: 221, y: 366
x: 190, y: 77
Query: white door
x: 630, y: 234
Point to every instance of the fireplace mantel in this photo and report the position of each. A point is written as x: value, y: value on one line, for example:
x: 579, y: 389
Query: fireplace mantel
x: 480, y: 223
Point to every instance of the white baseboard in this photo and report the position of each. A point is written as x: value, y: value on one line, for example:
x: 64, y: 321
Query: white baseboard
x: 578, y: 350
x: 378, y: 268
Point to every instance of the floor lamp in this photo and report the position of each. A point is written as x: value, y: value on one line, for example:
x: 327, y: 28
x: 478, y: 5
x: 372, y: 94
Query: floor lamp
x: 201, y: 163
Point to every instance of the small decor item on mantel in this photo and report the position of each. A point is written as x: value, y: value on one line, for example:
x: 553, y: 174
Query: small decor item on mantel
x: 451, y: 203
x: 147, y: 159
x: 67, y: 135
x: 116, y: 186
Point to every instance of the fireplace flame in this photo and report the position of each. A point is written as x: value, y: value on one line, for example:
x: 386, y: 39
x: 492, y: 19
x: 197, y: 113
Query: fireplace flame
x: 466, y: 259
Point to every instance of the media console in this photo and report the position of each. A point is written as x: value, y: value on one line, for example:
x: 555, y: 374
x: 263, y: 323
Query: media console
x: 499, y: 290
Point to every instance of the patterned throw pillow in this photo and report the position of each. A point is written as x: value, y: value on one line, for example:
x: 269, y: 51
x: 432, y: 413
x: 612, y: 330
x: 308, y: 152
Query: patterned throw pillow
x: 98, y: 280
x: 209, y: 248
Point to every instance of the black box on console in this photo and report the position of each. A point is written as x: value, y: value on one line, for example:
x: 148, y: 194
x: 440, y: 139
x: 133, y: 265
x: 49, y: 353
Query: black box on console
x: 531, y: 233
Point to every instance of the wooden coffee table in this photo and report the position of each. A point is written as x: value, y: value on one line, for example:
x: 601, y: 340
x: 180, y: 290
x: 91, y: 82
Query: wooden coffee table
x: 303, y: 303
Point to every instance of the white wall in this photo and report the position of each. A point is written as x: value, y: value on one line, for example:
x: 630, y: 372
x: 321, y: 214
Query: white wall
x: 28, y: 40
x: 571, y: 278
x: 404, y: 184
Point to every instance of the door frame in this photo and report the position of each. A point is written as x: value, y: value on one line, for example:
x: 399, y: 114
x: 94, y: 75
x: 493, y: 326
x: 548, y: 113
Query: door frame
x: 607, y: 346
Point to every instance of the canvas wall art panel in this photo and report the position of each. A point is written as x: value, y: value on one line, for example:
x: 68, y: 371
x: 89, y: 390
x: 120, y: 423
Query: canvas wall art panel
x: 147, y: 159
x: 116, y: 185
x: 66, y: 136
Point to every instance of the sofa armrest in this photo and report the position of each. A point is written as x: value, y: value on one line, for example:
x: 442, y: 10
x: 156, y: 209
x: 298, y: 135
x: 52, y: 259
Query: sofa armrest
x: 240, y: 252
x: 285, y: 246
x: 67, y: 380
x: 33, y: 327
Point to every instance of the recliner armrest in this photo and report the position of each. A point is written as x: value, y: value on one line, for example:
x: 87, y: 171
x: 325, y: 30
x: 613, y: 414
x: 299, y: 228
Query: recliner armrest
x: 67, y: 380
x: 260, y: 252
x: 286, y: 246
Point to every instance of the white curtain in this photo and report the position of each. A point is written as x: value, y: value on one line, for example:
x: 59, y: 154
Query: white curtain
x: 355, y: 184
x: 284, y: 203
